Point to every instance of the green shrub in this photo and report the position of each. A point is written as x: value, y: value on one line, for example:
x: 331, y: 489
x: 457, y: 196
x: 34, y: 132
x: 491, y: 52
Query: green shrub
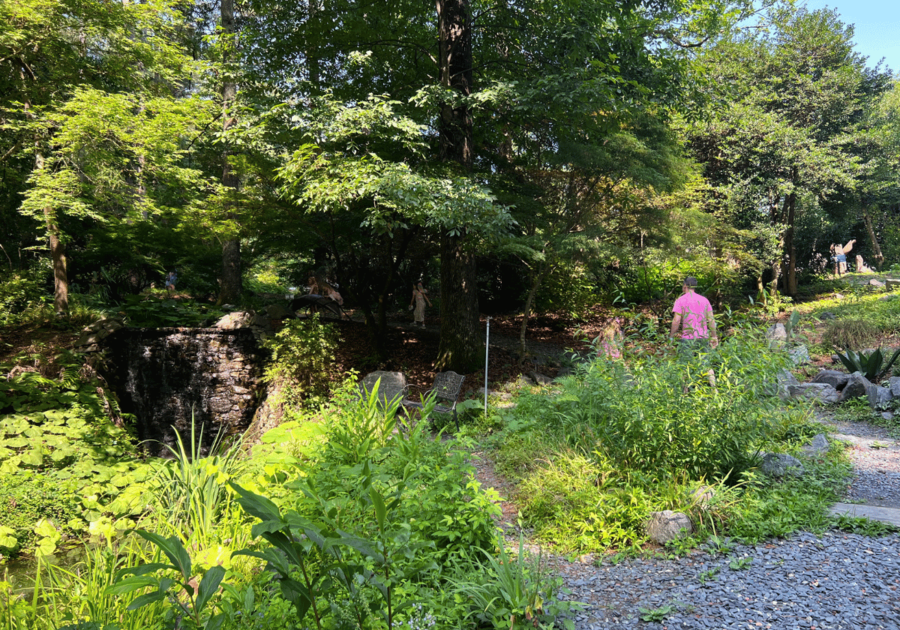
x: 303, y: 360
x: 871, y: 364
x: 27, y: 497
x: 849, y: 333
x: 660, y: 416
x: 19, y: 293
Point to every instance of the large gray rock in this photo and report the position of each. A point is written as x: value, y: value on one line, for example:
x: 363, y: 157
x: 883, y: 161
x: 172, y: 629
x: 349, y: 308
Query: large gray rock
x: 799, y: 355
x: 779, y: 464
x: 234, y: 321
x: 836, y: 379
x: 785, y: 380
x: 827, y: 315
x: 879, y: 397
x: 895, y: 386
x: 887, y: 415
x: 820, y: 392
x: 875, y: 283
x: 857, y: 387
x: 667, y: 525
x: 279, y: 311
x: 776, y: 334
x: 540, y: 379
x: 892, y: 283
x: 818, y: 446
x: 97, y: 332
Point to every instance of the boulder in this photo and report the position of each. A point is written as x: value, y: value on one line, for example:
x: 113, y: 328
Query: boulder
x: 92, y: 335
x: 879, y: 397
x: 827, y: 315
x: 799, y: 355
x: 822, y: 393
x: 857, y: 387
x: 785, y: 381
x: 892, y: 283
x: 667, y: 525
x: 875, y: 283
x: 818, y: 446
x: 702, y: 496
x: 895, y: 386
x: 233, y: 321
x: 776, y: 334
x: 279, y: 311
x: 524, y: 381
x: 779, y: 464
x: 887, y: 415
x: 540, y: 379
x: 836, y: 379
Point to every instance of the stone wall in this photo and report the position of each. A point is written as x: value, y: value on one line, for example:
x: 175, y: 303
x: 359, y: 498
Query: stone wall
x: 165, y: 375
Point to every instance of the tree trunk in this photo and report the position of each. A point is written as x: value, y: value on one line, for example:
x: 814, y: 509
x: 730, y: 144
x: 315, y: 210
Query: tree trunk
x: 879, y: 257
x: 526, y: 313
x: 790, y: 271
x: 230, y: 290
x: 460, y: 349
x: 57, y: 255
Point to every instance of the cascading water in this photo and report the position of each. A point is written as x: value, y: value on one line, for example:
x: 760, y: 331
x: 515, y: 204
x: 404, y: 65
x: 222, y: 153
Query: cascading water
x: 164, y: 376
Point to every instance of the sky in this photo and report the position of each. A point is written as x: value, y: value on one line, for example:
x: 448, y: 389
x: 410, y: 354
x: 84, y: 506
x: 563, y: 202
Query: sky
x: 877, y: 26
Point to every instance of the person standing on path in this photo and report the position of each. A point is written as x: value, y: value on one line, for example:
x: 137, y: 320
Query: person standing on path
x: 694, y: 319
x: 419, y: 298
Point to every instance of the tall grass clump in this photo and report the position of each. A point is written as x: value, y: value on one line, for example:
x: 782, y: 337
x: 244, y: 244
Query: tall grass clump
x: 621, y: 439
x: 844, y: 334
x: 656, y: 414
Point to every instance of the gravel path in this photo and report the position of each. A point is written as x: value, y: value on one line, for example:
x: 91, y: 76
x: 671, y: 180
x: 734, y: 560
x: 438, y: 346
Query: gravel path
x: 840, y: 580
x: 876, y: 462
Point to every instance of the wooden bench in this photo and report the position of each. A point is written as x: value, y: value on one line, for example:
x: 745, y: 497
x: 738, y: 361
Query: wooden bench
x: 446, y: 389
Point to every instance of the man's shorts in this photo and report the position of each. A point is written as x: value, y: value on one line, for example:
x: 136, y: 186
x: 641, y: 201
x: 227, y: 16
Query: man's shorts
x: 689, y: 348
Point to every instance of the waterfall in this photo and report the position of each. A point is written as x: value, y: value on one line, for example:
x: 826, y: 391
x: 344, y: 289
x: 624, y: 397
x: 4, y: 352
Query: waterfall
x: 163, y: 376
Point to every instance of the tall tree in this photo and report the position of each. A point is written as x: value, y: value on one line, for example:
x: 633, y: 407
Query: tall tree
x: 231, y: 249
x: 460, y: 347
x: 791, y: 99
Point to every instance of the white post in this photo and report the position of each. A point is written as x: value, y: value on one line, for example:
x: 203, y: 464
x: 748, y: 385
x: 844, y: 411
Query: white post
x: 487, y: 352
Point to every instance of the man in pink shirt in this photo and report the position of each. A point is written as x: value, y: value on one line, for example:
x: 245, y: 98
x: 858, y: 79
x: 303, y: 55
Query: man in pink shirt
x: 694, y: 318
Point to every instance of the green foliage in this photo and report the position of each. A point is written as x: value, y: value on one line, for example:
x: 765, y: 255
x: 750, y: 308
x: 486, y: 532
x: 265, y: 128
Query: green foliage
x: 155, y: 312
x: 660, y: 415
x: 303, y: 360
x: 20, y: 292
x: 656, y: 615
x: 740, y: 564
x: 849, y: 333
x: 871, y: 364
x: 58, y: 433
x: 511, y: 592
x: 864, y: 526
x: 31, y: 497
x: 191, y: 490
x: 186, y: 595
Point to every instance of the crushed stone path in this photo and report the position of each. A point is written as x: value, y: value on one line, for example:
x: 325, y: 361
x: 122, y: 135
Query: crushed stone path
x: 875, y: 456
x: 838, y: 580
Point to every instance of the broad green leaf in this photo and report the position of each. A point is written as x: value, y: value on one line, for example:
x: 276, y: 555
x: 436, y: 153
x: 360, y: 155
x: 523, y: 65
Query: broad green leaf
x: 208, y: 587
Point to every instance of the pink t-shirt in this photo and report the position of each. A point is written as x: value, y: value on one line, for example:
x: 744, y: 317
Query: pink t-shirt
x: 694, y: 310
